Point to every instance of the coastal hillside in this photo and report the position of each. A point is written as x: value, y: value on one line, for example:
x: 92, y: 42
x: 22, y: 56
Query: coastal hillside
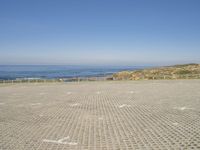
x: 186, y: 71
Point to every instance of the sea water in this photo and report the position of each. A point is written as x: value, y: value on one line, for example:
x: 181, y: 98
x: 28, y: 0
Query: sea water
x: 13, y: 72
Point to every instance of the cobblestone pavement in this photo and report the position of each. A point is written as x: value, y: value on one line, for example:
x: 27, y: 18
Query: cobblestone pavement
x: 100, y: 115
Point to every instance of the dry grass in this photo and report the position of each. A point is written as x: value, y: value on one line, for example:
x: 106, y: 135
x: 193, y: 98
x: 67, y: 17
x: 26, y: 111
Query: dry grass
x: 189, y: 71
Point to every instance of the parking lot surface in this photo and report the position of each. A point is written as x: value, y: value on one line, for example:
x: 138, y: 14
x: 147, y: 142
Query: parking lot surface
x: 100, y: 115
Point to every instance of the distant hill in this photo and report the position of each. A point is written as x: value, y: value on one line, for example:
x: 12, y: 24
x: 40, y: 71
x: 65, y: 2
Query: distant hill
x: 186, y: 71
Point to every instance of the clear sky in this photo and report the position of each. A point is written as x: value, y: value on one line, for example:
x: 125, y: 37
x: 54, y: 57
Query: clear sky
x: 99, y: 32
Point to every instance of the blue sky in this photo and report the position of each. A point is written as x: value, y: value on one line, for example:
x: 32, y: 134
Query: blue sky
x: 99, y: 32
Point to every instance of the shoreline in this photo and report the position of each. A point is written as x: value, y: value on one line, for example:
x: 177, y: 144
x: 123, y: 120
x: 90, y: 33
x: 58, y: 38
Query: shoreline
x: 185, y: 71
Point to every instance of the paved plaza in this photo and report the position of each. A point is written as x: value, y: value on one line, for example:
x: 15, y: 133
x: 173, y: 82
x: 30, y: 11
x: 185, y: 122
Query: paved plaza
x: 101, y: 115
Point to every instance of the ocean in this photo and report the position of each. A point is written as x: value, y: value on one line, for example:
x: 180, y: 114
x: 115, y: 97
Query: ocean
x: 13, y: 72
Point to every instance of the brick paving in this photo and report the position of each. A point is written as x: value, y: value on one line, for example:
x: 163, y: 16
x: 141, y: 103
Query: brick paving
x: 100, y: 115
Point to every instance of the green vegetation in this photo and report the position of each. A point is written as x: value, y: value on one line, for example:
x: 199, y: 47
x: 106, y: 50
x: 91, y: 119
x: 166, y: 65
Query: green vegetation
x: 186, y: 71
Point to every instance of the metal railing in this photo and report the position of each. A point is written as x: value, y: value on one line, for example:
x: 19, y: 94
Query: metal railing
x: 73, y: 79
x: 105, y: 78
x: 157, y: 77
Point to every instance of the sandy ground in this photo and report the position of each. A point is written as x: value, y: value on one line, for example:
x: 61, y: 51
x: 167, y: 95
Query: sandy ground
x: 100, y: 115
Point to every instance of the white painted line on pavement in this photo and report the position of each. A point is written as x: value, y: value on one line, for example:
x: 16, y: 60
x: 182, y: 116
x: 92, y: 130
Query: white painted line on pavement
x: 64, y: 140
x: 124, y: 105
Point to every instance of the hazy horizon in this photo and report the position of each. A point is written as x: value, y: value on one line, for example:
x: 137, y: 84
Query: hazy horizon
x: 99, y: 33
